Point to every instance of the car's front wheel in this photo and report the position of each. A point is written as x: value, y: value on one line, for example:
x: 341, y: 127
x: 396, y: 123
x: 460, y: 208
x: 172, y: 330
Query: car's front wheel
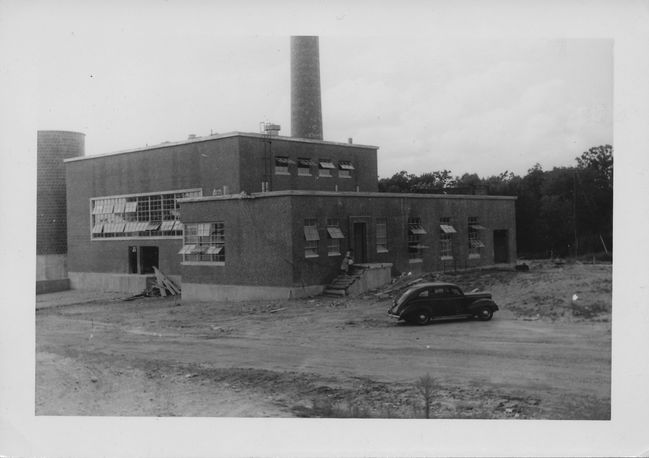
x: 421, y: 317
x: 485, y: 314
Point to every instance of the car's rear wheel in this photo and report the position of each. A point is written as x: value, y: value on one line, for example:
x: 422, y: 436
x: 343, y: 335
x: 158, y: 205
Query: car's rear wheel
x: 421, y: 317
x: 485, y: 314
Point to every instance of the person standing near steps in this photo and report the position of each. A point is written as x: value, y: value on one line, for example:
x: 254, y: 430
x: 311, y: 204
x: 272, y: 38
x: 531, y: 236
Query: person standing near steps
x: 348, y: 260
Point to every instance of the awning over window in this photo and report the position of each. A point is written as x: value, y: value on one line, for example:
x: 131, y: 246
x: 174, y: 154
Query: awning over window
x: 447, y: 229
x: 326, y: 164
x: 305, y: 162
x: 178, y: 226
x: 345, y: 165
x: 119, y: 227
x: 476, y: 243
x: 186, y: 249
x: 152, y: 226
x: 477, y: 227
x: 131, y: 227
x: 335, y: 232
x: 167, y: 225
x: 214, y: 250
x: 311, y: 233
x: 98, y: 228
x: 281, y: 161
x: 141, y: 226
x: 130, y: 207
x: 417, y: 229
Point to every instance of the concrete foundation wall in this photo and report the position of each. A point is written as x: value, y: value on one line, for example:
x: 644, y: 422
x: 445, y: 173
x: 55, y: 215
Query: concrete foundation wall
x: 238, y: 293
x: 51, y: 267
x: 113, y: 282
x: 52, y: 286
x: 375, y: 276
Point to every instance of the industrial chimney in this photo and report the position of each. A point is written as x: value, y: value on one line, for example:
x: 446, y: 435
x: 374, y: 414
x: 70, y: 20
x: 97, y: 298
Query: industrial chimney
x: 306, y: 107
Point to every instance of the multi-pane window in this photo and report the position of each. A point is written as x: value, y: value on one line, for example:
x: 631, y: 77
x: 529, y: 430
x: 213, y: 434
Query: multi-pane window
x: 381, y: 235
x: 142, y: 215
x: 311, y: 237
x: 446, y: 231
x: 304, y: 166
x: 345, y: 169
x: 325, y: 167
x: 281, y: 165
x: 334, y: 236
x: 475, y: 244
x: 415, y: 233
x: 204, y: 242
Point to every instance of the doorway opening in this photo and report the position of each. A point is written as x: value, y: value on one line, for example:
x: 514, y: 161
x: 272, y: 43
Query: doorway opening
x: 360, y: 242
x: 148, y: 259
x: 501, y: 246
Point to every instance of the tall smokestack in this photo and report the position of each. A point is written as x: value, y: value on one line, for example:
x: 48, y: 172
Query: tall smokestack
x: 306, y: 106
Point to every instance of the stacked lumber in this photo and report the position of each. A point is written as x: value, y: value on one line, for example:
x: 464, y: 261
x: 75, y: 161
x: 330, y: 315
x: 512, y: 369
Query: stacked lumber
x: 164, y: 284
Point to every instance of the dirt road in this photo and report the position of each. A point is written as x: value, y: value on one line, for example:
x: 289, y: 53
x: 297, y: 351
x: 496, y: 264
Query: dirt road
x: 330, y: 357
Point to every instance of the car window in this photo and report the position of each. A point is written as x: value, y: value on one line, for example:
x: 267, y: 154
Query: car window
x: 424, y: 293
x: 439, y: 291
x: 454, y: 291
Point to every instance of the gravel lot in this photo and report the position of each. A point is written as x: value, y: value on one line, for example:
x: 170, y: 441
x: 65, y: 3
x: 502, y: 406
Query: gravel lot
x: 543, y: 356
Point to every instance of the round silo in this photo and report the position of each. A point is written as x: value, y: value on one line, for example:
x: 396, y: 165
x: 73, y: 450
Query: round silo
x: 51, y: 229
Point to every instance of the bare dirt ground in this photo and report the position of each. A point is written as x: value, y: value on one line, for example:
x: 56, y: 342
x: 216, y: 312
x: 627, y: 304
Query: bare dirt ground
x: 541, y: 357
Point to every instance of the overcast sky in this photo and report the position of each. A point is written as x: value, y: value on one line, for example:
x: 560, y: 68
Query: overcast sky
x: 464, y: 104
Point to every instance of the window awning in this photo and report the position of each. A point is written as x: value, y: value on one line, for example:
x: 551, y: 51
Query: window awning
x: 131, y: 227
x: 345, y: 165
x: 141, y: 226
x: 447, y: 229
x: 335, y: 232
x: 178, y: 226
x: 152, y: 226
x: 214, y: 250
x: 98, y: 208
x: 186, y: 249
x: 305, y: 162
x: 98, y: 228
x: 311, y: 233
x: 167, y: 225
x: 417, y: 229
x: 281, y: 160
x: 107, y: 208
x: 130, y: 207
x: 476, y: 243
x: 119, y: 227
x: 477, y: 227
x: 325, y: 164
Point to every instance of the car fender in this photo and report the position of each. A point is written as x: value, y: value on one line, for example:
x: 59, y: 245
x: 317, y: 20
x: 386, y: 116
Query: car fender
x: 482, y: 303
x: 411, y: 309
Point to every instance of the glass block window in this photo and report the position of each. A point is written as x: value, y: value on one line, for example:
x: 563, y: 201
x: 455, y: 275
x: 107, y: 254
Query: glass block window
x: 381, y: 235
x: 334, y: 235
x: 446, y: 233
x: 415, y: 233
x: 204, y: 242
x: 311, y: 237
x: 475, y: 243
x: 138, y: 215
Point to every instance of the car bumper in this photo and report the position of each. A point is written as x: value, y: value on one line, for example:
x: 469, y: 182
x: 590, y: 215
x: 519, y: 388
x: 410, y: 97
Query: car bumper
x: 394, y: 315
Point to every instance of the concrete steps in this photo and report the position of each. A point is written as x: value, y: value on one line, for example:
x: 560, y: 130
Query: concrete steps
x: 339, y: 285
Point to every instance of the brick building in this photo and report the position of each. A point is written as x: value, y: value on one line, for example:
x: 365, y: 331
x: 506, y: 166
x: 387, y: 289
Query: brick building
x: 246, y: 215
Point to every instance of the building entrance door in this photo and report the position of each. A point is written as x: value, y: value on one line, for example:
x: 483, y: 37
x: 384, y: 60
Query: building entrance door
x: 501, y: 246
x: 360, y: 242
x: 148, y: 259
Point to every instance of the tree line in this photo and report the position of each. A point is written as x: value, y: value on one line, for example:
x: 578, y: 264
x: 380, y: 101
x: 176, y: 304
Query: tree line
x: 566, y: 211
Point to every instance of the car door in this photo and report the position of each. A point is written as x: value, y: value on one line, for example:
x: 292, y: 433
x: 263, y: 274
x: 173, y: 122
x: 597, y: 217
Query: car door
x: 454, y: 299
x: 441, y: 303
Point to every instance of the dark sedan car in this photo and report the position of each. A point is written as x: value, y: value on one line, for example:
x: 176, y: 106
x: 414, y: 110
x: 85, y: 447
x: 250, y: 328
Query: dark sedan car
x: 426, y: 301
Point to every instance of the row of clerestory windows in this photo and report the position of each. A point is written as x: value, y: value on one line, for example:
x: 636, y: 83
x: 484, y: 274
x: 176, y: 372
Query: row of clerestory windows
x: 308, y: 167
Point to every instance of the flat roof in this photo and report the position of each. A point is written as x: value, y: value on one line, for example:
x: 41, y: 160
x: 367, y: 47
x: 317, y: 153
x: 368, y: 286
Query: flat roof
x: 271, y: 194
x: 219, y: 137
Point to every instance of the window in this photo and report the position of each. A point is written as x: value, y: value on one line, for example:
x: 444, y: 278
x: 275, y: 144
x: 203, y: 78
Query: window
x: 311, y: 237
x: 204, y: 243
x: 446, y: 231
x: 325, y: 167
x: 281, y: 165
x: 334, y: 236
x: 415, y: 232
x: 138, y: 215
x: 304, y: 166
x: 345, y: 169
x: 381, y: 235
x: 475, y: 244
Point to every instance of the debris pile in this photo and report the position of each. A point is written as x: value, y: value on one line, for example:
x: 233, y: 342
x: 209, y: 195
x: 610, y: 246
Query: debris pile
x: 163, y: 286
